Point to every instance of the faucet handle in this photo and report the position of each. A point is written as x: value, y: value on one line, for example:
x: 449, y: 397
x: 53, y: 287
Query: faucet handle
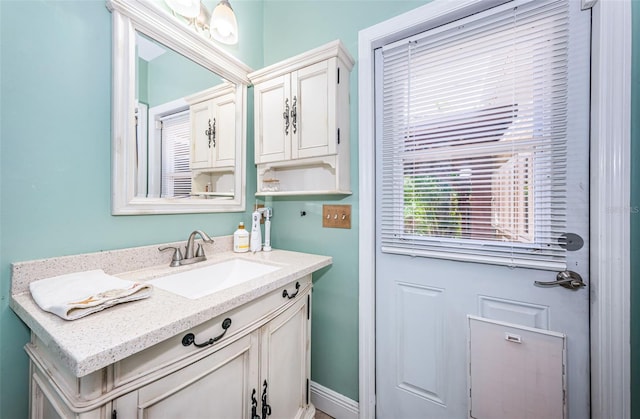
x: 200, y: 251
x: 177, y: 255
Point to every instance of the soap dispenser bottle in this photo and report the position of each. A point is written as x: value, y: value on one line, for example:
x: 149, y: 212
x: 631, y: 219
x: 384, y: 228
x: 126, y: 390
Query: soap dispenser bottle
x: 241, y: 239
x: 256, y: 233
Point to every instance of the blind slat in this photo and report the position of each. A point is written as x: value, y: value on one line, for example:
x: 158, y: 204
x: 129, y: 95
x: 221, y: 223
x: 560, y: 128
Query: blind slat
x: 474, y: 129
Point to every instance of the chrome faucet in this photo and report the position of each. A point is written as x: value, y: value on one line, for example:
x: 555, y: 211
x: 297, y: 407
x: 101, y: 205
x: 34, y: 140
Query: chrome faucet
x: 190, y: 256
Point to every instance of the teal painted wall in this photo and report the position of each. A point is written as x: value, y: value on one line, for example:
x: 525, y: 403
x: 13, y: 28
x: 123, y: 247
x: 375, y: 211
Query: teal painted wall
x: 171, y: 76
x: 142, y: 81
x: 292, y: 27
x: 55, y: 154
x: 635, y: 213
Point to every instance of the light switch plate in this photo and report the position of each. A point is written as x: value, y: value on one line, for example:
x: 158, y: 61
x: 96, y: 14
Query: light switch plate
x: 336, y: 216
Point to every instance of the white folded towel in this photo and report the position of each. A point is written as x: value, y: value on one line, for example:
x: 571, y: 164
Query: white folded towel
x: 79, y: 294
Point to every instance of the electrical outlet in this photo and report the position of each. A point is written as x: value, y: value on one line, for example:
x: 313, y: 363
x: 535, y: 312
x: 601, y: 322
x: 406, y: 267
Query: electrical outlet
x: 336, y: 216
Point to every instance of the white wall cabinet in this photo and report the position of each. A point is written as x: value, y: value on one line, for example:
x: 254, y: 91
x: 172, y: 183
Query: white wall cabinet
x: 296, y: 114
x: 213, y: 128
x: 214, y: 133
x: 302, y: 123
x: 260, y: 364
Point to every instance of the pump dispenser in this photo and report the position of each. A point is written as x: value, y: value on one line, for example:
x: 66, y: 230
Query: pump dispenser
x: 241, y: 239
x: 256, y: 233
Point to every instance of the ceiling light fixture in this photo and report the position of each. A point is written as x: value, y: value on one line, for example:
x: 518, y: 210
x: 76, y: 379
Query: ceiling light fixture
x: 221, y: 26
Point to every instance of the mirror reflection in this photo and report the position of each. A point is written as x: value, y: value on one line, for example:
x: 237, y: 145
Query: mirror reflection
x: 185, y: 133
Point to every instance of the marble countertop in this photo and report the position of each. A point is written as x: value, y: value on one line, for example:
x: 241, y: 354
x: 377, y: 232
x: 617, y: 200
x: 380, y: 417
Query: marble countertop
x: 87, y: 344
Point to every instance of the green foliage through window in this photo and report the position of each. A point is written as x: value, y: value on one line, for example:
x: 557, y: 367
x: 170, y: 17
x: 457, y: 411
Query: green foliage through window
x: 432, y: 206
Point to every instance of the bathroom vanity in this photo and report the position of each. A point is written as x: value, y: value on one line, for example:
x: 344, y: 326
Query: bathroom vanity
x: 240, y: 352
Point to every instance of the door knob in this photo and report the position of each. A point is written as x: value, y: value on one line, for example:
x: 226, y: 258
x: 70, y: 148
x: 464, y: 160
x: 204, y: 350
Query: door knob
x: 567, y: 279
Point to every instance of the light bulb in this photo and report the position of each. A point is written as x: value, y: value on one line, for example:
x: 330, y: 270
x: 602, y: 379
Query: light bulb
x: 223, y: 26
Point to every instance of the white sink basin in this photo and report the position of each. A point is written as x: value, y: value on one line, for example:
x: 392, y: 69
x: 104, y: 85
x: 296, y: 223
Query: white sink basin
x: 199, y: 282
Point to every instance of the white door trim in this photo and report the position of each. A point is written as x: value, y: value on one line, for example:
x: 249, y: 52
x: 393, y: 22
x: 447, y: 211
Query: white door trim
x: 610, y: 209
x: 610, y: 198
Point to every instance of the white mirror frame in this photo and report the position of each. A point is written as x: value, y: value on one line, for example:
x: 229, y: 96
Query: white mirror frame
x: 145, y: 17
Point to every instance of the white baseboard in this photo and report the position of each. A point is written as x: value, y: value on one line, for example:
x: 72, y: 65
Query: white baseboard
x: 332, y: 403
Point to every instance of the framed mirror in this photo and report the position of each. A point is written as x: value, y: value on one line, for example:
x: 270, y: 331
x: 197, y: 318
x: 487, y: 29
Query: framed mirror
x: 178, y: 117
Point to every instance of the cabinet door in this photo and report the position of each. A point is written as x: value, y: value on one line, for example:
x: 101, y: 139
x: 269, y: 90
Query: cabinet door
x: 314, y: 90
x: 224, y: 151
x: 272, y: 111
x: 217, y: 386
x: 200, y: 114
x: 285, y: 360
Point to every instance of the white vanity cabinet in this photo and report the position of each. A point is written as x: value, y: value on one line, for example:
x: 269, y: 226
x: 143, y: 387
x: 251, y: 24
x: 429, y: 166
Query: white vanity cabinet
x: 213, y: 128
x: 302, y: 123
x: 258, y: 362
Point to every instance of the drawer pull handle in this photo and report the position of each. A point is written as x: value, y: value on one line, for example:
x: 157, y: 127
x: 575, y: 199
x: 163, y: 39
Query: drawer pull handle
x: 211, y: 133
x: 285, y: 294
x: 285, y: 115
x: 190, y: 338
x: 294, y: 116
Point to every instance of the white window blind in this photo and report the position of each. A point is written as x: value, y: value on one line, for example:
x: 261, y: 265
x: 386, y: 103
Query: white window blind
x: 474, y: 125
x: 176, y: 175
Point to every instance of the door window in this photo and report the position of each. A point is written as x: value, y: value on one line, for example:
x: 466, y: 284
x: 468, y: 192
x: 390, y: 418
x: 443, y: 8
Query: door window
x: 474, y: 139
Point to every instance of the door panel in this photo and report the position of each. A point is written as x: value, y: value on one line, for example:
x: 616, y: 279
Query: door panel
x: 421, y: 356
x: 313, y: 91
x: 420, y: 311
x: 285, y: 365
x: 502, y: 358
x: 526, y: 314
x: 226, y: 131
x: 272, y: 138
x: 422, y: 303
x: 200, y: 149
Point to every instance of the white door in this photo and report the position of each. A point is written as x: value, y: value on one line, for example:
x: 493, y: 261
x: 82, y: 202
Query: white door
x: 469, y: 202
